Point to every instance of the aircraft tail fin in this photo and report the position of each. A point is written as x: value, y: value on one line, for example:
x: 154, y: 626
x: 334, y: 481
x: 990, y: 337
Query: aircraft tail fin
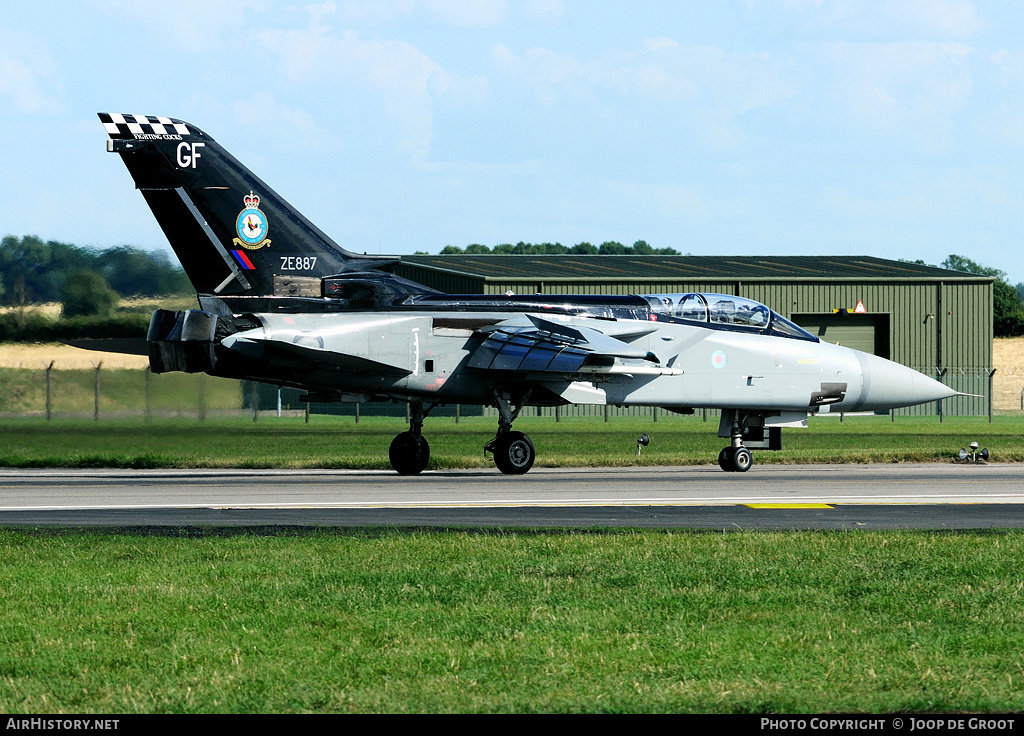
x: 234, y: 235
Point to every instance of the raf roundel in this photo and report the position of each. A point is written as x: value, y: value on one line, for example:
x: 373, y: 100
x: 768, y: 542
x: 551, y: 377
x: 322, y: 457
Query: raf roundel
x: 251, y: 224
x: 718, y: 359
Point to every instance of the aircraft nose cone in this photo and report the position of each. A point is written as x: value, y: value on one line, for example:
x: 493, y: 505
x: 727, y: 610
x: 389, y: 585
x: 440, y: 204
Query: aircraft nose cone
x: 889, y: 385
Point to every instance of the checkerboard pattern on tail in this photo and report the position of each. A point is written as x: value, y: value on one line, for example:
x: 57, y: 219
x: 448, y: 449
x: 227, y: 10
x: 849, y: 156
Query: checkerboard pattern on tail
x: 118, y: 125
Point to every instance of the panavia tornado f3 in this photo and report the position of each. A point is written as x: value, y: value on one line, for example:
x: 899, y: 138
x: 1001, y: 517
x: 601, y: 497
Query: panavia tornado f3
x: 282, y: 303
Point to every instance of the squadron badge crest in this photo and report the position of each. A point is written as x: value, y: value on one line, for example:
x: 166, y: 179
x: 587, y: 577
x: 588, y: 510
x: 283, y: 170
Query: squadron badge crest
x: 251, y: 224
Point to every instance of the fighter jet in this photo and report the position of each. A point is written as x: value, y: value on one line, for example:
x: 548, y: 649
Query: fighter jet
x: 282, y: 303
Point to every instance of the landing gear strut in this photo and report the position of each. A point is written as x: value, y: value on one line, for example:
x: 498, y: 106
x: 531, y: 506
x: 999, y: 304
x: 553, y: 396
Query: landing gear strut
x: 735, y: 458
x: 513, y: 451
x: 409, y: 452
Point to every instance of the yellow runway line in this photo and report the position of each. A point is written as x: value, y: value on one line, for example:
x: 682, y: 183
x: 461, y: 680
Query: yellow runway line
x: 788, y: 505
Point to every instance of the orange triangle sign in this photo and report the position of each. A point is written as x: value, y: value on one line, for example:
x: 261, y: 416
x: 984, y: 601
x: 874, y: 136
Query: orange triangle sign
x: 859, y: 307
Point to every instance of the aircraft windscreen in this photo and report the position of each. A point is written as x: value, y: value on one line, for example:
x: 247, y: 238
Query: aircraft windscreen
x: 724, y: 311
x: 785, y: 328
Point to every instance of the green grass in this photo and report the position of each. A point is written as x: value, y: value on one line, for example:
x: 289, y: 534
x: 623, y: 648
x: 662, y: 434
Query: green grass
x: 407, y: 621
x: 339, y: 442
x: 507, y: 622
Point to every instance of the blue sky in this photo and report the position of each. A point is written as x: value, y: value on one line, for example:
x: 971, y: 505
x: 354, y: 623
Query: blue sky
x: 738, y: 127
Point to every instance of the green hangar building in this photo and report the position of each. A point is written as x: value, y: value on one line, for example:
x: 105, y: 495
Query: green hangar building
x: 931, y: 319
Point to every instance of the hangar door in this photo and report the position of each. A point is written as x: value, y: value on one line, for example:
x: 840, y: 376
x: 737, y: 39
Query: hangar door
x: 868, y: 333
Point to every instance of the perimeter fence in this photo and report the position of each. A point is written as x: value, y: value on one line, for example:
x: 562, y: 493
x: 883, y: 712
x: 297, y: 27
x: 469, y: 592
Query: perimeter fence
x: 107, y: 393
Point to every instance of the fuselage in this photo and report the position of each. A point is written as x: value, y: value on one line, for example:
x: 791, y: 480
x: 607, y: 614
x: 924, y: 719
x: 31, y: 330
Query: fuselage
x: 742, y: 356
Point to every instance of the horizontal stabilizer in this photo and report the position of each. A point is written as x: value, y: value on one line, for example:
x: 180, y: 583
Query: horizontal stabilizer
x: 123, y: 345
x: 270, y: 348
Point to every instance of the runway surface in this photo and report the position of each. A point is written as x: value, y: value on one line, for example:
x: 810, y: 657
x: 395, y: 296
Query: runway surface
x: 896, y: 496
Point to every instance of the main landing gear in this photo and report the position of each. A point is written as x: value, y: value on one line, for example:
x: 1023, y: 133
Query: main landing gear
x: 409, y: 452
x: 513, y: 451
x: 735, y: 458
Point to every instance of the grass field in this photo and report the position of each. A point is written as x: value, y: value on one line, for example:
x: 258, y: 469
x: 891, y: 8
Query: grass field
x: 399, y: 621
x: 293, y: 620
x: 339, y: 442
x: 37, y: 356
x: 1008, y: 383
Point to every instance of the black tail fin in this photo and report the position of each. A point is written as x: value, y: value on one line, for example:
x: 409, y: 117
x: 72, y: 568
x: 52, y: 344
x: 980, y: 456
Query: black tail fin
x: 232, y: 233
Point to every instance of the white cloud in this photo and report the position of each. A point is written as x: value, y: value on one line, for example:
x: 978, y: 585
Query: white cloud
x: 197, y: 26
x: 372, y: 12
x: 933, y: 19
x: 459, y: 13
x: 544, y: 10
x: 702, y: 83
x: 913, y: 88
x: 1004, y: 121
x: 29, y: 78
x: 542, y: 69
x: 469, y: 13
x: 662, y: 42
x: 1003, y: 124
x: 278, y: 121
x: 404, y: 79
x: 1010, y: 66
x: 941, y: 18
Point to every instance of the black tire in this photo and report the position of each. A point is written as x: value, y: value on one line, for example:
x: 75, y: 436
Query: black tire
x: 514, y: 453
x: 725, y: 459
x: 409, y: 454
x: 742, y: 460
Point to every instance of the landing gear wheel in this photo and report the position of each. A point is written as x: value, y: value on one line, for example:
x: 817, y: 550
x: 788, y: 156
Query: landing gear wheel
x: 514, y: 453
x: 735, y: 459
x: 742, y: 460
x: 409, y: 454
x: 725, y: 459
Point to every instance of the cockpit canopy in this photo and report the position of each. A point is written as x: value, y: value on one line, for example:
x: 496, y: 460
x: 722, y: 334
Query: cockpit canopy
x: 726, y: 312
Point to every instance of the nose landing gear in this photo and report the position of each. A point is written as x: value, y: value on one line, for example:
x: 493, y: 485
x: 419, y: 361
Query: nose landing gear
x: 735, y: 458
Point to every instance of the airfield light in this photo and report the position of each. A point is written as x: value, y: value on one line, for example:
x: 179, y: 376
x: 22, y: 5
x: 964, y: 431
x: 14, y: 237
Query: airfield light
x: 642, y: 441
x: 975, y: 455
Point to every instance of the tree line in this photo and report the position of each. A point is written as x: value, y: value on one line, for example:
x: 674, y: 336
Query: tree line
x: 34, y: 271
x: 1007, y: 300
x: 89, y: 281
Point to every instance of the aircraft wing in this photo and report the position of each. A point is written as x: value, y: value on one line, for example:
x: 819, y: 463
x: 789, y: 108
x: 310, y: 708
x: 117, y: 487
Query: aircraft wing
x: 536, y: 345
x: 315, y: 356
